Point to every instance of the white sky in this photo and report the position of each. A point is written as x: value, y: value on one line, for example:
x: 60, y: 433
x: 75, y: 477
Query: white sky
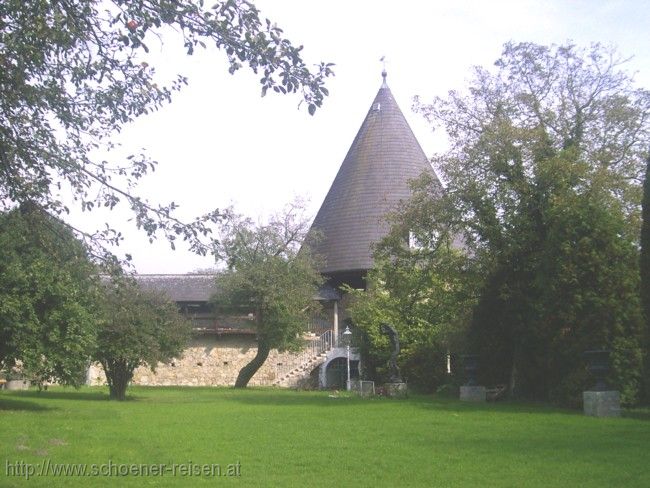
x: 219, y: 144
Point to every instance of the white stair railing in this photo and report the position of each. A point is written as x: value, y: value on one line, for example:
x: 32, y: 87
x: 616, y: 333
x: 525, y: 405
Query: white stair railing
x: 322, y: 343
x: 315, y: 347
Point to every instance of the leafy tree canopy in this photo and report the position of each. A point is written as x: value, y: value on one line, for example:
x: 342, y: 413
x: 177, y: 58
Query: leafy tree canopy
x: 269, y: 276
x: 546, y: 156
x: 644, y: 267
x: 549, y: 117
x: 48, y: 291
x: 136, y: 328
x: 72, y: 75
x: 425, y: 295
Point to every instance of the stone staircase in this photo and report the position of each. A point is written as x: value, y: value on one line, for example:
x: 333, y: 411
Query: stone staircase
x: 315, y: 354
x: 300, y: 375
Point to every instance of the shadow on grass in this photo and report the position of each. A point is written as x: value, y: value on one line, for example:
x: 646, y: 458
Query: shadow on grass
x: 637, y: 414
x: 9, y: 403
x: 522, y: 406
x: 66, y: 394
x: 273, y: 397
x: 278, y: 397
x: 428, y: 402
x: 503, y: 406
x: 260, y: 396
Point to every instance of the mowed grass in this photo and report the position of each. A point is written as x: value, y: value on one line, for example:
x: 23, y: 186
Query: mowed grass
x: 308, y: 439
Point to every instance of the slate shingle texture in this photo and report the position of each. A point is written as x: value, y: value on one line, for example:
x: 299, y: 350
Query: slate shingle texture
x: 180, y: 287
x: 371, y: 182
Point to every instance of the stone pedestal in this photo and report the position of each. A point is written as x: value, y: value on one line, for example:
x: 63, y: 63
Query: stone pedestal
x: 367, y: 388
x: 602, y: 403
x: 472, y: 393
x: 395, y: 390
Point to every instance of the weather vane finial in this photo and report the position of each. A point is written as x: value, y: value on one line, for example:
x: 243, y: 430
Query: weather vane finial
x: 383, y: 71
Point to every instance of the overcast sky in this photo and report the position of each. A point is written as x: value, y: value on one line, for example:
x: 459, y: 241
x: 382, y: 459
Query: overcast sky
x: 219, y: 144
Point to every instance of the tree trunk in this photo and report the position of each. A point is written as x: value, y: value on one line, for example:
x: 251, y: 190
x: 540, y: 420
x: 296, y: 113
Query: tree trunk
x: 247, y: 372
x: 117, y: 388
x: 118, y: 376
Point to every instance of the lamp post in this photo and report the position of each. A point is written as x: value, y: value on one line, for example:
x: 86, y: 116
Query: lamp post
x: 346, y: 338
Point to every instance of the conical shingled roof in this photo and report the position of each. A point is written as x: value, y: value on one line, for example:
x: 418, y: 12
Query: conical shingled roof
x: 372, y: 180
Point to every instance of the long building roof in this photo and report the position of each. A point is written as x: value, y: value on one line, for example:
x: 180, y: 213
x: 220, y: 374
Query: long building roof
x: 373, y: 179
x: 180, y: 287
x: 202, y: 287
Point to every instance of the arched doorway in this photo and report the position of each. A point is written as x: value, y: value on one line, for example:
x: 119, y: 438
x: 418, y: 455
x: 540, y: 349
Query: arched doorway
x: 337, y: 372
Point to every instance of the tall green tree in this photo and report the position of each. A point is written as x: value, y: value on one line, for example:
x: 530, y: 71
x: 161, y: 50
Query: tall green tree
x: 422, y: 283
x: 48, y: 291
x: 73, y: 73
x: 427, y: 304
x: 269, y: 276
x: 543, y: 184
x: 136, y: 328
x: 645, y: 270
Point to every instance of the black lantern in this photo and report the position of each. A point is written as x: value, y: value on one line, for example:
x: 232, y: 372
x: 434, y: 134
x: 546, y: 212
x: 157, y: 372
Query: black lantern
x: 470, y: 365
x: 598, y: 366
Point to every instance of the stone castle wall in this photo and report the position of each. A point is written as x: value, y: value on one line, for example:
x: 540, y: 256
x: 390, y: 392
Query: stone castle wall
x: 212, y: 361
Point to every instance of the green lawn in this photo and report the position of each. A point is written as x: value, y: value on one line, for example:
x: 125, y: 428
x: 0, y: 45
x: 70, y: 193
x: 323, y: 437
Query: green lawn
x: 307, y: 439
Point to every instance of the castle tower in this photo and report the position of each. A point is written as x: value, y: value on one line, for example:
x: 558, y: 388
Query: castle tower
x: 371, y: 182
